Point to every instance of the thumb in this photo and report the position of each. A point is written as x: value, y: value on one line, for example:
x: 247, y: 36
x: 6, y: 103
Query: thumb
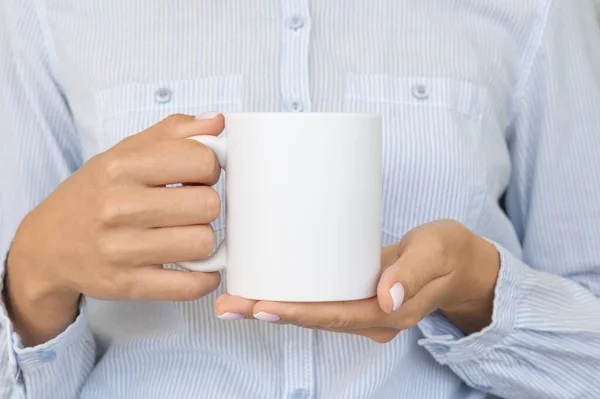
x: 205, y: 124
x: 412, y: 271
x: 211, y: 123
x: 180, y: 126
x: 184, y: 126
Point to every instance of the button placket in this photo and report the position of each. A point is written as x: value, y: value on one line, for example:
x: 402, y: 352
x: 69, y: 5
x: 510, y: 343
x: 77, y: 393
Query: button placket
x: 295, y: 106
x: 295, y: 22
x: 295, y: 97
x: 295, y: 29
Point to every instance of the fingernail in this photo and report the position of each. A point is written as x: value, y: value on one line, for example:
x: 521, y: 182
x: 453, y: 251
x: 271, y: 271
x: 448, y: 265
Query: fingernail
x: 230, y: 316
x: 264, y: 316
x: 207, y: 115
x: 397, y: 294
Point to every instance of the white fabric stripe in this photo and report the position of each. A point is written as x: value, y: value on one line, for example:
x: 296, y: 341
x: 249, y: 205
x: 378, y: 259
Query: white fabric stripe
x: 478, y: 98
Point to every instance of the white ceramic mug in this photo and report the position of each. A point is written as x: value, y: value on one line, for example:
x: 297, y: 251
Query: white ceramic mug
x: 303, y: 196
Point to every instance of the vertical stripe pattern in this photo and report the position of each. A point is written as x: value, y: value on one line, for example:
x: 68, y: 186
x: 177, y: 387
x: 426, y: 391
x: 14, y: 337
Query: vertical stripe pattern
x: 478, y: 98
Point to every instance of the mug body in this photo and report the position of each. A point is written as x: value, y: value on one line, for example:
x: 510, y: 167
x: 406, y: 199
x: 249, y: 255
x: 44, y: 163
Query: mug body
x: 303, y: 205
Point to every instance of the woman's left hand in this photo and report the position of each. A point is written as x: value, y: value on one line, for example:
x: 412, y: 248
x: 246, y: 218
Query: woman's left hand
x: 439, y: 265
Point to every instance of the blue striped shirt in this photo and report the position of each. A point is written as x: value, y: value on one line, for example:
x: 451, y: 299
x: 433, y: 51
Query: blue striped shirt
x: 491, y: 117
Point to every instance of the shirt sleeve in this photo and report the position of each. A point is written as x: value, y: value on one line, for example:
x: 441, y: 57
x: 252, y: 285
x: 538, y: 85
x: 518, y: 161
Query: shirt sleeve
x: 39, y: 148
x: 544, y: 339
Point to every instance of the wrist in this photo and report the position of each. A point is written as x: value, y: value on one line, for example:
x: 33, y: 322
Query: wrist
x: 38, y: 309
x: 471, y: 317
x: 31, y: 270
x: 471, y: 308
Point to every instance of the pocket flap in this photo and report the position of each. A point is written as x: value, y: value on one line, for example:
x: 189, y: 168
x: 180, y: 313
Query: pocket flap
x: 169, y: 95
x: 464, y: 97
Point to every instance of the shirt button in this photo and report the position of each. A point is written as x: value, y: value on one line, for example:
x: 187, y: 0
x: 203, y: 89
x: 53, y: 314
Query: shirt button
x: 295, y: 106
x: 440, y: 349
x: 295, y: 22
x: 46, y: 356
x: 299, y: 393
x: 421, y: 92
x: 163, y: 95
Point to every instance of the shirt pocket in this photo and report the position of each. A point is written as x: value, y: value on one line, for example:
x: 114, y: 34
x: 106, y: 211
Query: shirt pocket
x: 129, y: 109
x: 433, y: 167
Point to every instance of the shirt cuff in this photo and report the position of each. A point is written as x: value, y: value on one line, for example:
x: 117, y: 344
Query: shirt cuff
x: 448, y: 345
x: 28, y: 360
x: 32, y: 358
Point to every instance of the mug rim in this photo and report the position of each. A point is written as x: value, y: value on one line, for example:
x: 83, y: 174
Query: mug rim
x: 306, y: 114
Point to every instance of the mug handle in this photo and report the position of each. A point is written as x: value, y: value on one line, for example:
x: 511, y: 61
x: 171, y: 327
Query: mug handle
x: 218, y: 259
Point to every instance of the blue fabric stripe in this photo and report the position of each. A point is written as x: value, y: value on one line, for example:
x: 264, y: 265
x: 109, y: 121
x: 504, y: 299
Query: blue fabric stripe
x: 478, y: 98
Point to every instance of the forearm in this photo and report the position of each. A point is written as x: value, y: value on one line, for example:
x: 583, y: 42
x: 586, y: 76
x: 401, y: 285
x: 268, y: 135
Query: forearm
x: 40, y: 148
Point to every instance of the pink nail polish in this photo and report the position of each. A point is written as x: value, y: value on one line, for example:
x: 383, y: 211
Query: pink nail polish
x: 207, y: 115
x: 230, y: 316
x: 264, y: 316
x: 397, y: 294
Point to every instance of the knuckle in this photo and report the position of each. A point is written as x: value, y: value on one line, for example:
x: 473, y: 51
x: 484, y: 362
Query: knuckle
x: 173, y: 123
x: 114, y: 165
x: 110, y: 211
x: 128, y: 287
x: 175, y: 119
x: 111, y: 250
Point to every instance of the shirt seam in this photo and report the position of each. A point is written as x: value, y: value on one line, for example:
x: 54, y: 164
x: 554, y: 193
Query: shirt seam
x: 535, y: 42
x: 438, y: 104
x: 41, y: 14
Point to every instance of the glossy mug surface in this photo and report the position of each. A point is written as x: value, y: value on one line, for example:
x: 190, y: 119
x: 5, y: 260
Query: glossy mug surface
x: 303, y: 193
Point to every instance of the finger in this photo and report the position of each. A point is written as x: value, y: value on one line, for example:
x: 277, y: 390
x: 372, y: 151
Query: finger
x: 334, y: 315
x: 231, y: 307
x: 380, y: 335
x: 181, y: 126
x: 158, y: 284
x: 404, y: 278
x: 208, y: 123
x: 161, y: 163
x: 161, y: 207
x: 157, y: 246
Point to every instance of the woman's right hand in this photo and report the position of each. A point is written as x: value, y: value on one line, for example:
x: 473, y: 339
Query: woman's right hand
x: 106, y: 231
